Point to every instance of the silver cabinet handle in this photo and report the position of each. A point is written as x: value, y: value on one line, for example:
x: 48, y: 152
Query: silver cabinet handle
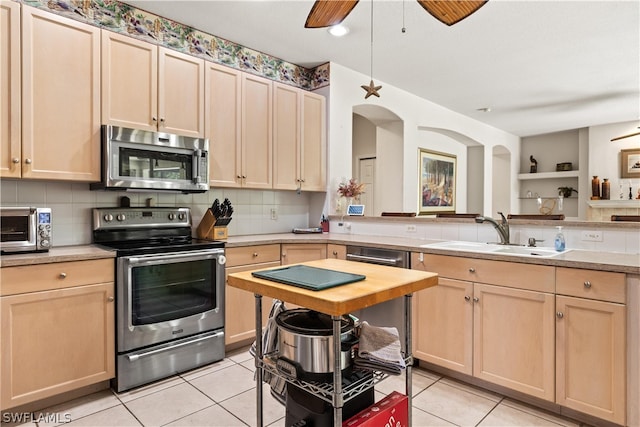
x: 559, y: 315
x: 161, y: 119
x: 587, y: 284
x: 155, y: 119
x: 335, y: 253
x: 110, y: 299
x: 63, y: 275
x: 476, y: 299
x: 255, y: 254
x: 27, y: 161
x: 15, y: 160
x: 467, y: 298
x: 472, y: 270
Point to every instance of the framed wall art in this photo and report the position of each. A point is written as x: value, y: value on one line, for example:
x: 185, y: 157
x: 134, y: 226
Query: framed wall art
x: 437, y: 182
x: 630, y: 163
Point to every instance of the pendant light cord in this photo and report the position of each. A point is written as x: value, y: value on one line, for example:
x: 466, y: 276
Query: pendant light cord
x: 371, y: 63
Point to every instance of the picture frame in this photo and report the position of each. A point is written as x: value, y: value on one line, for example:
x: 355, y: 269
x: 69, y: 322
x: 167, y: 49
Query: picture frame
x: 437, y: 174
x: 630, y: 163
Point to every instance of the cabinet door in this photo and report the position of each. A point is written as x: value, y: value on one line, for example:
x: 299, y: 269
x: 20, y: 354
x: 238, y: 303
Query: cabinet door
x: 60, y: 97
x: 513, y: 339
x: 180, y: 93
x: 286, y: 137
x: 302, y: 252
x: 443, y: 325
x: 222, y: 124
x: 336, y: 251
x: 70, y: 344
x: 590, y: 364
x: 257, y: 150
x: 10, y: 137
x: 129, y: 82
x: 239, y: 314
x: 313, y: 151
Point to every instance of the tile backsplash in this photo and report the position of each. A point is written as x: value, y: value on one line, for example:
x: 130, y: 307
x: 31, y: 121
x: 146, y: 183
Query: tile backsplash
x: 72, y: 204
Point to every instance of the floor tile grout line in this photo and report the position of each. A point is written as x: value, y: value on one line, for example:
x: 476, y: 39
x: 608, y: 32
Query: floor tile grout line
x: 490, y: 411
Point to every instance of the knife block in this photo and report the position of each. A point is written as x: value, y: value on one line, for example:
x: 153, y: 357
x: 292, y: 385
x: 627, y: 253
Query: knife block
x: 207, y: 229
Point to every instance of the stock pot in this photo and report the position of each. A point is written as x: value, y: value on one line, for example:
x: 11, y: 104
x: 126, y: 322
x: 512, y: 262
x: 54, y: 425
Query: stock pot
x: 306, y: 344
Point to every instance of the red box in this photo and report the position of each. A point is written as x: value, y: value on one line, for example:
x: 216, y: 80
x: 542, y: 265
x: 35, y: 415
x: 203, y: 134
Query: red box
x: 392, y: 411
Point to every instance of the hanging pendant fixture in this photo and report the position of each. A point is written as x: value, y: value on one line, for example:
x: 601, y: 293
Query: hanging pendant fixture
x: 371, y: 89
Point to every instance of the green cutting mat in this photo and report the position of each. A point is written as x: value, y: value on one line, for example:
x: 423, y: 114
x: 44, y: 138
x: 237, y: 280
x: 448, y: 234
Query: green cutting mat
x: 313, y: 278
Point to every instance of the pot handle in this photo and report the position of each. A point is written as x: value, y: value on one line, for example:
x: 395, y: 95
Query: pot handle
x: 348, y: 344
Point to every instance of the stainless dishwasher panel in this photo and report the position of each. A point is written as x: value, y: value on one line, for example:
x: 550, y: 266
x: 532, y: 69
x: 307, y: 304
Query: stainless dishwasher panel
x: 389, y: 313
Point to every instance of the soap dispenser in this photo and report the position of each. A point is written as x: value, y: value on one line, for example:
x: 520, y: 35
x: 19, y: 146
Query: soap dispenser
x: 559, y: 241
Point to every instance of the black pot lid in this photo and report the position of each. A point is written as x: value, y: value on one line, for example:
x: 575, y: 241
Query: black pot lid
x: 310, y: 322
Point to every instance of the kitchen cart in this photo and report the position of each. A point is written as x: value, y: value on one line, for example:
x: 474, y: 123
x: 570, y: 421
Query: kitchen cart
x: 382, y: 283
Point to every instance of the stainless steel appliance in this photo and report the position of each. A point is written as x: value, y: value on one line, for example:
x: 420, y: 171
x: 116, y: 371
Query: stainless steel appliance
x: 135, y: 159
x: 25, y: 229
x: 390, y: 313
x: 169, y: 293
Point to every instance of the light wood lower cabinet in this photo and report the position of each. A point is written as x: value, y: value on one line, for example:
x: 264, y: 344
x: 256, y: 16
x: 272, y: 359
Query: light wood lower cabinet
x: 240, y: 325
x: 301, y: 252
x: 591, y: 343
x: 502, y: 334
x: 57, y: 338
x: 336, y: 251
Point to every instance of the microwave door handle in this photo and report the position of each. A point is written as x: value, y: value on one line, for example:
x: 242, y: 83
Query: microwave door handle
x: 197, y: 153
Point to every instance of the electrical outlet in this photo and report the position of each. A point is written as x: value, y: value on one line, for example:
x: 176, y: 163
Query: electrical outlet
x: 411, y: 229
x: 274, y: 214
x: 592, y: 236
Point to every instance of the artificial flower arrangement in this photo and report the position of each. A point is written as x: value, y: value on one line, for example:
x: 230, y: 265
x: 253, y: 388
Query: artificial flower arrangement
x: 351, y: 188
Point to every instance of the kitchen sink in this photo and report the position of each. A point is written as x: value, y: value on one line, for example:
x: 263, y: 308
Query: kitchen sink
x: 494, y: 248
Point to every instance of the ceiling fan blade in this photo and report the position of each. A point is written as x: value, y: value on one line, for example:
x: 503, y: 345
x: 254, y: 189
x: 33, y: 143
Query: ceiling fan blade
x: 625, y: 136
x: 326, y: 13
x: 450, y: 12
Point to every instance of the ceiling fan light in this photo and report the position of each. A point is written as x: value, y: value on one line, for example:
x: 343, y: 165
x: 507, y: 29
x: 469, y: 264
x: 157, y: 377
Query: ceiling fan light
x: 338, y: 30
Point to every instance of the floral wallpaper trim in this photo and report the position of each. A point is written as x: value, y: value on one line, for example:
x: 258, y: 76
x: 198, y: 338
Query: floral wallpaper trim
x: 122, y: 18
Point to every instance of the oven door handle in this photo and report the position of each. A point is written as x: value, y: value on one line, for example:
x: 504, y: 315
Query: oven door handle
x: 178, y: 257
x: 134, y: 357
x: 372, y: 259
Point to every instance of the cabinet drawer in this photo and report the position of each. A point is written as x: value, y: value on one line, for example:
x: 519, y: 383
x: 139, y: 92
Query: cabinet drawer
x: 515, y: 275
x: 593, y: 284
x: 42, y: 277
x: 252, y: 254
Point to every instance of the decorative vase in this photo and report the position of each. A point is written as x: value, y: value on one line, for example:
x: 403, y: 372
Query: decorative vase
x: 595, y: 188
x: 606, y: 189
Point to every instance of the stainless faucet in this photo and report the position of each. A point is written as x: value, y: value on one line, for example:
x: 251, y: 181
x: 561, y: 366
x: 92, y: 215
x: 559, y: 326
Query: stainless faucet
x: 502, y: 228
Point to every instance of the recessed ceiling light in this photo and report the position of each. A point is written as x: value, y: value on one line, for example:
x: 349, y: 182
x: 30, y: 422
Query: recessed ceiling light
x: 338, y: 30
x: 484, y: 109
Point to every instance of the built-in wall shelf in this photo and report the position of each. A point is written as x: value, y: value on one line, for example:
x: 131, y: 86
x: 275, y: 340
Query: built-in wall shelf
x: 548, y: 175
x: 616, y: 203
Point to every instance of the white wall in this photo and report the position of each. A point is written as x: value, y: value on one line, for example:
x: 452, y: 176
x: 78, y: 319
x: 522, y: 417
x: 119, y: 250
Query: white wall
x: 415, y: 113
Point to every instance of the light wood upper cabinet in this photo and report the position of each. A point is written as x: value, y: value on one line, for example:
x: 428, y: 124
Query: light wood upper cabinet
x: 60, y: 97
x: 67, y: 313
x: 10, y: 132
x: 152, y: 88
x: 129, y: 82
x: 223, y: 124
x: 256, y: 135
x: 299, y: 141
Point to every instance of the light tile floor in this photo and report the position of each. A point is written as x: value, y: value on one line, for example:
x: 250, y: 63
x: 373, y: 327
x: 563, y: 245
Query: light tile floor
x: 223, y: 394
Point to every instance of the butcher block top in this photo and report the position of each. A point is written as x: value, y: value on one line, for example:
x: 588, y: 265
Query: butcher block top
x: 382, y: 283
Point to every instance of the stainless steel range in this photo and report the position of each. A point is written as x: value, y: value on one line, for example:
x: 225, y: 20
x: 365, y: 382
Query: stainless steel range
x: 169, y: 293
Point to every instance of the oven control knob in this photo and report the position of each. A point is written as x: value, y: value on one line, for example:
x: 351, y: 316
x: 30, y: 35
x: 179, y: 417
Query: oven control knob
x: 121, y: 217
x: 182, y: 216
x: 108, y: 217
x: 172, y: 216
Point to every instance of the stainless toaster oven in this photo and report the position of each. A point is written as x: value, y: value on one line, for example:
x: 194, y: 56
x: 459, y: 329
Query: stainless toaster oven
x: 25, y: 229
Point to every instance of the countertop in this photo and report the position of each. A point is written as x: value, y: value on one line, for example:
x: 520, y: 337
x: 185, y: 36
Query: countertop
x: 382, y: 283
x: 606, y: 261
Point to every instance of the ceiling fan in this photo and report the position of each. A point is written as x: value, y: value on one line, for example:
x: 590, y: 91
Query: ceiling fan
x: 326, y: 13
x: 626, y: 136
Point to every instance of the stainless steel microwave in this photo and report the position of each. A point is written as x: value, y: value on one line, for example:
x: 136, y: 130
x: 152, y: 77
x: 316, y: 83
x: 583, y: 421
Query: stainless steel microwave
x: 134, y: 159
x: 25, y: 229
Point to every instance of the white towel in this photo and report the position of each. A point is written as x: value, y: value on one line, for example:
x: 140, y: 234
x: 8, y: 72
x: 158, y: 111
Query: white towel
x: 379, y: 349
